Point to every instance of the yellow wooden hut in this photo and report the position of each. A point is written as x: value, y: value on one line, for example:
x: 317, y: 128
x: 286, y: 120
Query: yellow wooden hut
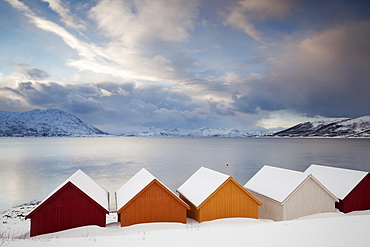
x: 144, y: 199
x: 213, y: 195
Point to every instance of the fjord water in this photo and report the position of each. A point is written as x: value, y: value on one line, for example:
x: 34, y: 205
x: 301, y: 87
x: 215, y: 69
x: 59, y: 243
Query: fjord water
x: 30, y: 168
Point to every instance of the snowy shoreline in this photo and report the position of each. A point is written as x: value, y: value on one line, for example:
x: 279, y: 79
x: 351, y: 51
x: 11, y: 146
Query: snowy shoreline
x: 327, y: 229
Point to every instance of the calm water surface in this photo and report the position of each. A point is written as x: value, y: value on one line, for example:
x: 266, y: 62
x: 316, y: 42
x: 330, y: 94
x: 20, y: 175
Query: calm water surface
x: 30, y: 168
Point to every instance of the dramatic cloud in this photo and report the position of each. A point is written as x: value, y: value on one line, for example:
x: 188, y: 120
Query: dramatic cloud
x: 65, y: 14
x: 85, y: 50
x: 138, y: 22
x: 107, y: 103
x: 175, y: 63
x: 243, y: 15
x: 142, y: 37
x: 130, y: 26
x: 325, y: 74
x: 140, y: 33
x: 33, y: 74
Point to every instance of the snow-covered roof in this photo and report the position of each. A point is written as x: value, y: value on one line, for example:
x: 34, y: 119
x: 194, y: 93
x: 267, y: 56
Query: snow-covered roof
x: 201, y: 185
x: 88, y: 186
x: 275, y: 183
x: 133, y: 186
x: 338, y: 181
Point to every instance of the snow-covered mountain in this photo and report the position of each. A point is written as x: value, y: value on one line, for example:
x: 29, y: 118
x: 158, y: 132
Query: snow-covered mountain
x: 54, y: 122
x: 155, y: 132
x: 220, y: 132
x: 176, y: 132
x: 51, y: 122
x: 339, y: 127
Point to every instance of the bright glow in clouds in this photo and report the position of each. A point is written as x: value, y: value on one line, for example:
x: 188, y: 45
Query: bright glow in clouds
x: 254, y: 65
x: 285, y: 119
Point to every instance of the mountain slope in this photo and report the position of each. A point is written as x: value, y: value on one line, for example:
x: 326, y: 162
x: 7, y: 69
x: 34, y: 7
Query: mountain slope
x: 220, y: 132
x: 339, y: 127
x: 51, y: 122
x: 176, y: 132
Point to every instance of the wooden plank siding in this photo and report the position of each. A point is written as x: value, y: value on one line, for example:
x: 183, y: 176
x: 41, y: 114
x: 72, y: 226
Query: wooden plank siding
x: 68, y: 208
x: 309, y: 198
x: 193, y: 212
x: 229, y: 200
x: 358, y: 198
x: 270, y: 209
x: 155, y: 203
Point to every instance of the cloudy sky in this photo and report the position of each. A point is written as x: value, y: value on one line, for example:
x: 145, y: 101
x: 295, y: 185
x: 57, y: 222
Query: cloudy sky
x: 253, y: 65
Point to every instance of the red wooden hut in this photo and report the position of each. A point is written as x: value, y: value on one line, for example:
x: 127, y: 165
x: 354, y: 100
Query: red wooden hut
x: 78, y: 201
x: 351, y: 187
x: 144, y: 199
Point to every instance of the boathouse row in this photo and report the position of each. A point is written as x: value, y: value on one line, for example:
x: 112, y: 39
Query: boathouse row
x: 272, y: 193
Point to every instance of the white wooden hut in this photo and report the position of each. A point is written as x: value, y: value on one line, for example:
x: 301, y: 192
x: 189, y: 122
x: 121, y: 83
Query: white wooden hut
x: 351, y: 187
x: 287, y: 194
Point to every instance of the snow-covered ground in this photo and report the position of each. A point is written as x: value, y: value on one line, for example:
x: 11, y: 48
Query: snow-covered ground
x: 329, y: 229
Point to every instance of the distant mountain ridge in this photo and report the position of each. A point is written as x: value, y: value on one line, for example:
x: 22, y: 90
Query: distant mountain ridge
x: 54, y: 122
x: 50, y: 122
x: 339, y: 127
x: 219, y: 132
x: 202, y: 132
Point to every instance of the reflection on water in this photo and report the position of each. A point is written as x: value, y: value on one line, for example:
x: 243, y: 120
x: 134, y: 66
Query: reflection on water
x: 30, y: 168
